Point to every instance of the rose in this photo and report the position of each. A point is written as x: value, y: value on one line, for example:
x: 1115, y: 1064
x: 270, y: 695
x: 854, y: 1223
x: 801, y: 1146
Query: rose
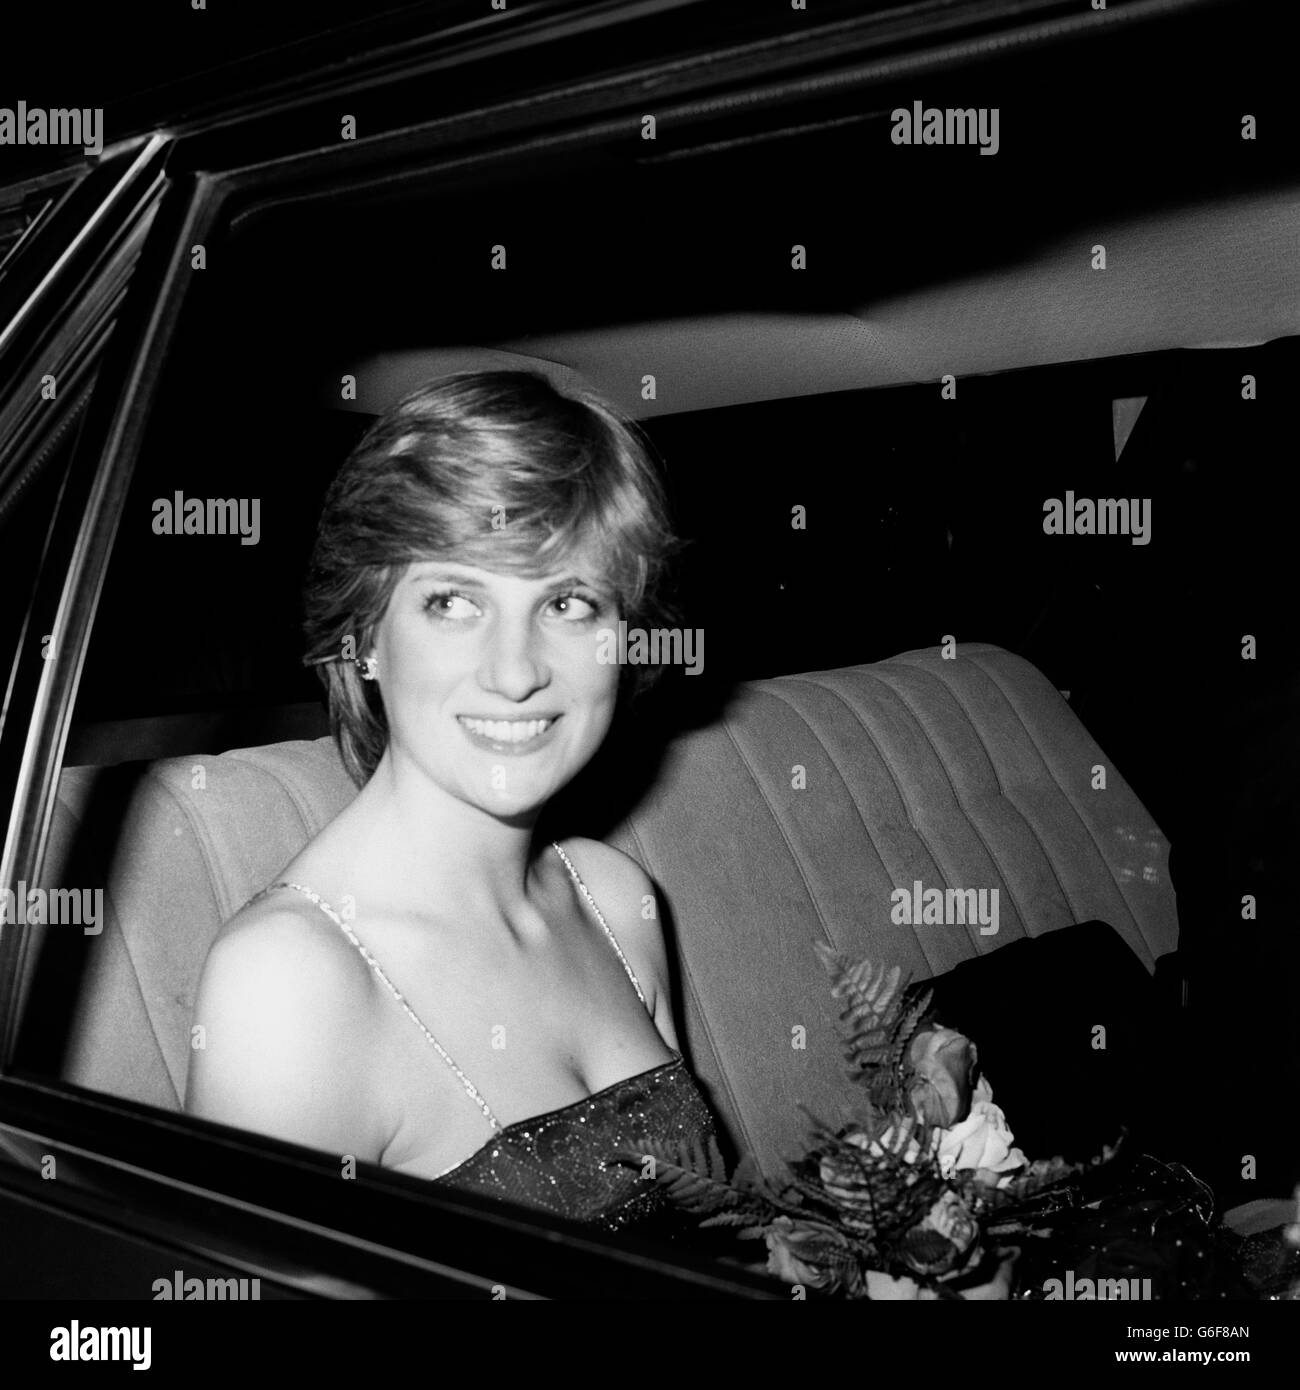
x: 951, y: 1219
x: 941, y: 1060
x: 788, y: 1245
x: 981, y: 1141
x: 953, y: 1235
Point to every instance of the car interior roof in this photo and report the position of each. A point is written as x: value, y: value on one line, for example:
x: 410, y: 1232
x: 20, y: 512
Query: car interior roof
x: 1214, y: 273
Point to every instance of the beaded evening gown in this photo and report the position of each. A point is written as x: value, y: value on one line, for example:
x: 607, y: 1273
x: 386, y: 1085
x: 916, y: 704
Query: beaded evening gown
x: 560, y: 1161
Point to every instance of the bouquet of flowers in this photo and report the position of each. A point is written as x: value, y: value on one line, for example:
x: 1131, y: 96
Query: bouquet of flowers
x: 919, y: 1196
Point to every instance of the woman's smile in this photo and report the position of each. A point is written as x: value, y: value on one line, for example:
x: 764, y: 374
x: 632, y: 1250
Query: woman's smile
x: 513, y: 737
x: 480, y: 670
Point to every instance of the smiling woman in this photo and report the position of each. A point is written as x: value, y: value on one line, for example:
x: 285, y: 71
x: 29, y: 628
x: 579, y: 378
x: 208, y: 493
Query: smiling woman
x: 468, y: 553
x: 495, y: 471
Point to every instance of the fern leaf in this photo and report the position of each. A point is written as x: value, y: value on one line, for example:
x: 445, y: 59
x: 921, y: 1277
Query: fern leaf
x: 694, y: 1178
x: 881, y: 1015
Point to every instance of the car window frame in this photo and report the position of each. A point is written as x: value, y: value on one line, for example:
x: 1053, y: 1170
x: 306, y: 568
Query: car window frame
x: 209, y: 1189
x: 213, y: 1190
x: 117, y: 1140
x: 205, y: 178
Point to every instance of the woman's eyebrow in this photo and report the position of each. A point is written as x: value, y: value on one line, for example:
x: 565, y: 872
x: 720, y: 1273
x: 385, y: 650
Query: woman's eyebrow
x: 433, y: 570
x: 423, y: 573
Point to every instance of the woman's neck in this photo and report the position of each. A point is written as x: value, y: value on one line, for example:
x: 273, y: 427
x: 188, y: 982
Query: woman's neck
x: 426, y: 846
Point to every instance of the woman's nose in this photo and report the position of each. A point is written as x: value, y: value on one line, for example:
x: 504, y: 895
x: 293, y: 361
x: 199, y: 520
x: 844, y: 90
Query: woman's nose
x: 513, y: 664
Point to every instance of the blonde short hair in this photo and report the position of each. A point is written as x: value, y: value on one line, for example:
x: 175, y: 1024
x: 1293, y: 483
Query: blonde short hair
x: 495, y: 469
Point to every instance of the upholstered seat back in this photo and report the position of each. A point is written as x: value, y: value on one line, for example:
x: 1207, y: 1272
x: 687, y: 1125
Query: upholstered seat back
x: 796, y: 817
x: 180, y: 845
x: 791, y: 819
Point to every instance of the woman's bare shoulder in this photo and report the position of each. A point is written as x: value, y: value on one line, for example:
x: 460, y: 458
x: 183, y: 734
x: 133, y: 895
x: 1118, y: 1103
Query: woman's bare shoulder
x: 612, y: 877
x: 284, y: 929
x: 622, y: 890
x: 281, y: 1004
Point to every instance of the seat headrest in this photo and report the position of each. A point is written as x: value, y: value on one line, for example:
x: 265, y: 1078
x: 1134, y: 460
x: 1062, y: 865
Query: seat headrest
x: 179, y: 846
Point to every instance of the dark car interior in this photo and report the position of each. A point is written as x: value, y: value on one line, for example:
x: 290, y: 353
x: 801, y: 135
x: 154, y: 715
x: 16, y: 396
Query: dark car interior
x: 821, y: 389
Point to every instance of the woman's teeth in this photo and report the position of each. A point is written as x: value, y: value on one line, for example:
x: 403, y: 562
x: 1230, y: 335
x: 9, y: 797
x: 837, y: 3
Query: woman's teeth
x: 507, y: 730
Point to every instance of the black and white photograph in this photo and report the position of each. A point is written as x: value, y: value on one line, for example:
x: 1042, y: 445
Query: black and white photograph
x: 649, y: 652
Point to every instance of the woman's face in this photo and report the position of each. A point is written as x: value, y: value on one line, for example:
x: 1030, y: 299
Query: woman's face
x: 490, y: 681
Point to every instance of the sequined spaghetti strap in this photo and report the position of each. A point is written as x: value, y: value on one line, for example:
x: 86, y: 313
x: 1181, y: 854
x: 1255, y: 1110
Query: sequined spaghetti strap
x: 567, y: 1161
x: 470, y: 1089
x: 600, y: 917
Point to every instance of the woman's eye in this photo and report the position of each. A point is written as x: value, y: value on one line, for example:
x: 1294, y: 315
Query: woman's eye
x: 451, y: 605
x: 575, y: 607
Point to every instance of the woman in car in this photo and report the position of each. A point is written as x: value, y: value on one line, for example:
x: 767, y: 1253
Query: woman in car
x: 428, y: 985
